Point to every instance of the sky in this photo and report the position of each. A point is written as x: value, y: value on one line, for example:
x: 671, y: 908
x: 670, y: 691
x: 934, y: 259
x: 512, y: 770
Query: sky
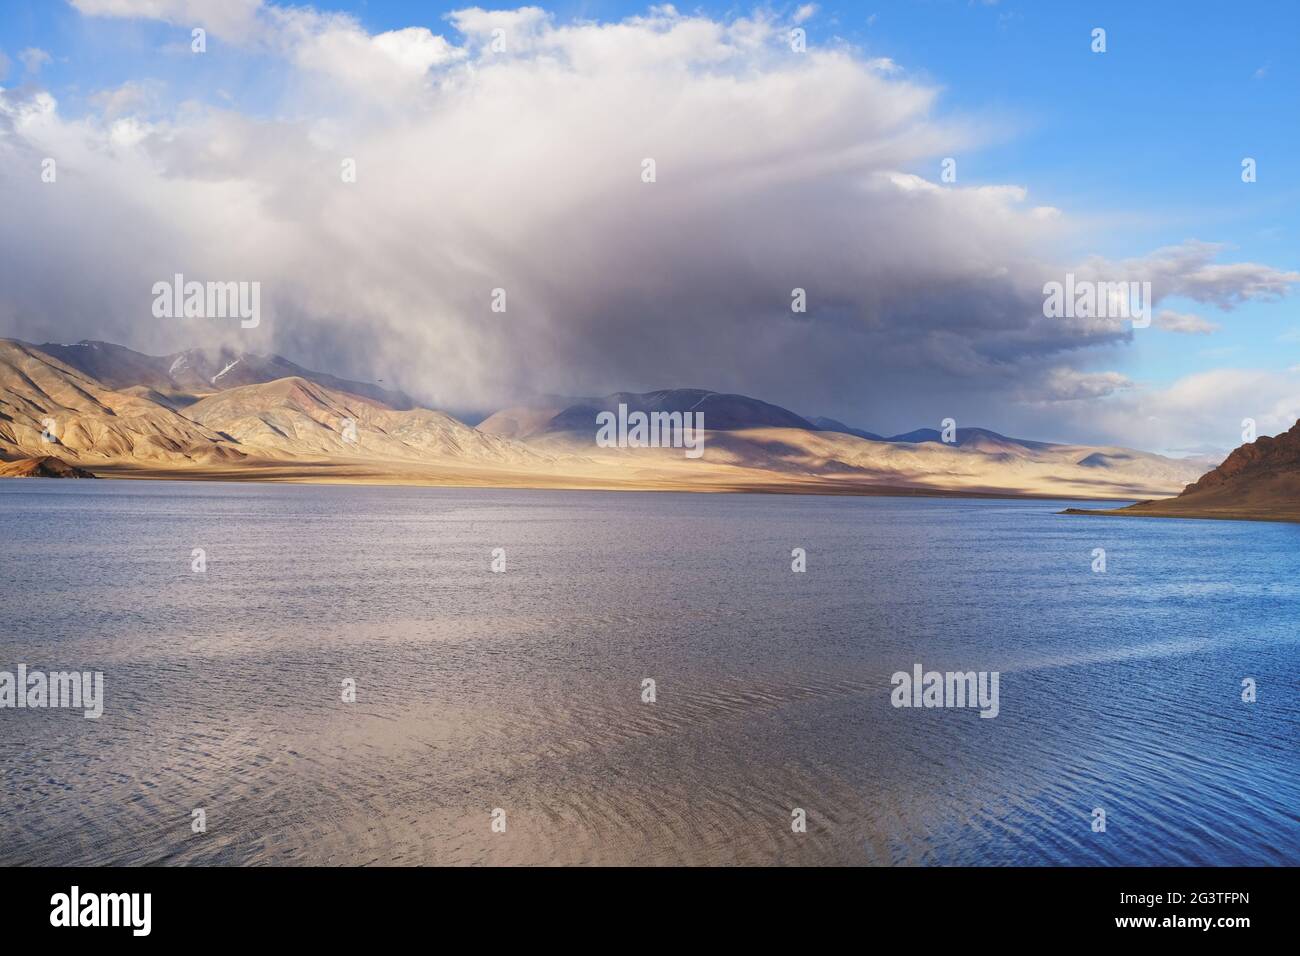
x: 515, y: 160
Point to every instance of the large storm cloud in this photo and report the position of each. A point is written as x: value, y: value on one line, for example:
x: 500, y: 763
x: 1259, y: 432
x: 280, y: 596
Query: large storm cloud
x: 508, y: 153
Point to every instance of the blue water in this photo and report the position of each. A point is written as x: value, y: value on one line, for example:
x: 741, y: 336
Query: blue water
x: 521, y: 691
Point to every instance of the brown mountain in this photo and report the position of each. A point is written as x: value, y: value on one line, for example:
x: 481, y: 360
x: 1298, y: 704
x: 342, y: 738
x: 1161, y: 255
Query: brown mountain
x: 1259, y: 481
x: 50, y: 408
x: 295, y: 418
x: 182, y: 377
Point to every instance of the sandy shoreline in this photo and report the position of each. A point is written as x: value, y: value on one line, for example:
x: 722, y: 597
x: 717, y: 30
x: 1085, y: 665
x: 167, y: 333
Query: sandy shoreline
x: 362, y: 474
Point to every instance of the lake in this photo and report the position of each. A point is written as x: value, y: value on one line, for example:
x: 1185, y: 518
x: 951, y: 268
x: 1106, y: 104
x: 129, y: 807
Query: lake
x: 516, y: 697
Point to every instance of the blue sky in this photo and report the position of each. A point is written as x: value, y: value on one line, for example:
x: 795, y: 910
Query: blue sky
x: 1140, y: 146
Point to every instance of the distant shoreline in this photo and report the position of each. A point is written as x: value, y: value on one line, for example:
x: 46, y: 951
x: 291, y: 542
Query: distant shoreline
x: 1137, y: 511
x: 307, y: 474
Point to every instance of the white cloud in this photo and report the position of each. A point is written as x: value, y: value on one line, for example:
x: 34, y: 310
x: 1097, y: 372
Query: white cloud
x: 1189, y: 270
x: 130, y: 97
x: 1184, y: 323
x: 519, y: 26
x: 1071, y: 385
x: 232, y: 19
x: 382, y: 65
x: 1202, y: 412
x: 33, y: 58
x: 883, y: 64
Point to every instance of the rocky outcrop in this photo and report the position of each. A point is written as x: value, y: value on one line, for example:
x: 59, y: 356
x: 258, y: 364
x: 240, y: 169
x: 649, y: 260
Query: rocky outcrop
x: 1257, y: 482
x: 47, y: 466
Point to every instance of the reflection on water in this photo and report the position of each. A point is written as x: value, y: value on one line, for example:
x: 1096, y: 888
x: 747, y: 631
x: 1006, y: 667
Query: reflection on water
x: 522, y: 690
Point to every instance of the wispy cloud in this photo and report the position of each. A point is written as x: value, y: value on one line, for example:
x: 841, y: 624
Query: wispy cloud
x: 33, y: 58
x: 1203, y: 411
x: 1184, y: 323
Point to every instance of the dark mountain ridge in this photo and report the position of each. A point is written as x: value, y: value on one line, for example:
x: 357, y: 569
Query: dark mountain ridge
x: 183, y: 376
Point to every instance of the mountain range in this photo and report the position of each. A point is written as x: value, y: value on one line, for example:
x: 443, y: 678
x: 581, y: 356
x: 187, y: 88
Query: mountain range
x: 112, y: 411
x: 182, y: 375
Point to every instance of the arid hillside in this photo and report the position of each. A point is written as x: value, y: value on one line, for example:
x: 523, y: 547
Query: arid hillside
x: 115, y: 412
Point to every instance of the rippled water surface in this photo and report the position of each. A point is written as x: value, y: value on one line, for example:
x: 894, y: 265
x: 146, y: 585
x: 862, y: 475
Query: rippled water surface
x: 522, y: 690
